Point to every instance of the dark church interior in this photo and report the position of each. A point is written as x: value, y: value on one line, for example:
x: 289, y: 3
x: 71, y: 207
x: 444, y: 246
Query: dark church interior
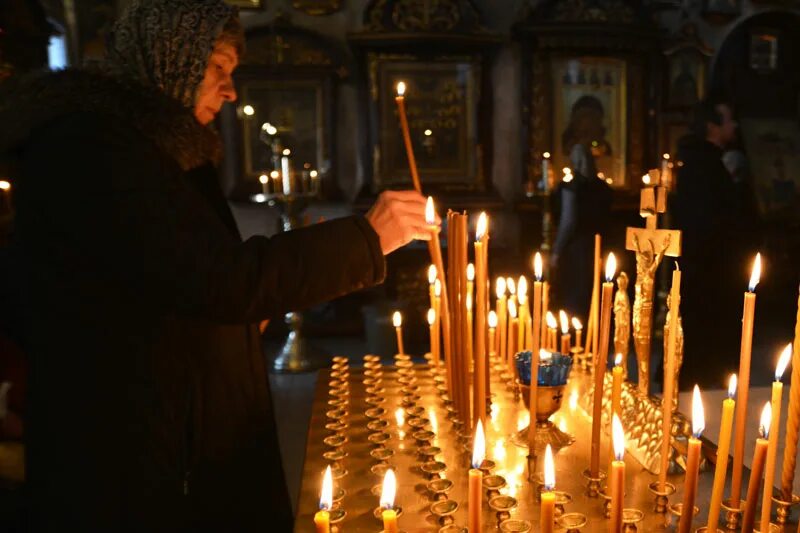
x: 512, y: 105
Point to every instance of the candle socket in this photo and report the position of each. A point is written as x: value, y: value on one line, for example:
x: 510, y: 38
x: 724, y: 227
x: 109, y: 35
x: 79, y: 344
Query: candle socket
x: 676, y: 510
x: 593, y: 483
x: 572, y: 522
x: 439, y: 488
x: 783, y: 509
x: 662, y: 497
x: 562, y: 499
x: 733, y: 515
x: 444, y: 511
x: 631, y: 517
x: 502, y: 505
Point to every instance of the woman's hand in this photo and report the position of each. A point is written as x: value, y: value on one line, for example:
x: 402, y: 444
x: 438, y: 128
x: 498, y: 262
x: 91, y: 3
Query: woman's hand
x: 398, y: 217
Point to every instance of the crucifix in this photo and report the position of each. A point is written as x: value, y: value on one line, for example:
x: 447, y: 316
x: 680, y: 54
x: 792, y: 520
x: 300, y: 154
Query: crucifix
x: 651, y: 245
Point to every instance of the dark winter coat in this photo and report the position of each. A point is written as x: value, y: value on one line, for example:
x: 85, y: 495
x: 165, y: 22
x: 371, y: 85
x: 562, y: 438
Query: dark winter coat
x: 149, y: 405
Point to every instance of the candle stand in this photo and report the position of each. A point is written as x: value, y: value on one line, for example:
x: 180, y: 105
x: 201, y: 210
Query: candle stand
x: 296, y: 354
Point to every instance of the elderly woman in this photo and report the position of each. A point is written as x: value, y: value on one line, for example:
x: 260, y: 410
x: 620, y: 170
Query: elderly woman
x: 149, y: 407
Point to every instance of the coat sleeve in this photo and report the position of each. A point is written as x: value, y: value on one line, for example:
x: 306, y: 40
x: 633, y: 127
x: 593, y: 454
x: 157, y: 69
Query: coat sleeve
x: 128, y: 216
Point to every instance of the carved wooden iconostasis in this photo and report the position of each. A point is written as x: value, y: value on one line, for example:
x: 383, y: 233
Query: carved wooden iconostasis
x: 589, y: 76
x: 441, y: 51
x: 286, y: 87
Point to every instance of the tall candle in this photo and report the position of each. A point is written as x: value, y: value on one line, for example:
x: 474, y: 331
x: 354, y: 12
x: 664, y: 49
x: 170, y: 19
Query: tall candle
x: 397, y: 320
x: 286, y: 172
x: 600, y: 359
x: 792, y: 418
x: 431, y: 284
x: 692, y: 463
x: 443, y: 308
x: 437, y: 306
x: 481, y: 277
x: 669, y: 379
x: 401, y: 111
x: 434, y: 334
x: 470, y: 363
x: 757, y: 469
x: 547, y: 509
x: 524, y: 315
x: 578, y: 327
x: 616, y: 389
x: 476, y: 479
x: 594, y: 309
x: 536, y: 324
x: 552, y: 329
x: 513, y: 324
x: 723, y: 447
x: 546, y: 171
x: 388, y: 514
x: 502, y: 318
x: 322, y: 520
x: 617, y: 475
x: 545, y: 305
x: 565, y: 336
x: 744, y: 383
x: 775, y: 430
x: 264, y: 181
x: 492, y: 321
x: 471, y: 281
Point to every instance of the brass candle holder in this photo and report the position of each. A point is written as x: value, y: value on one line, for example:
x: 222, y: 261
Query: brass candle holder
x: 676, y: 510
x: 631, y: 517
x: 662, y: 497
x: 562, y: 499
x: 492, y: 484
x: 572, y: 522
x: 515, y: 525
x: 433, y: 469
x: 439, y: 488
x: 427, y: 452
x: 783, y: 509
x: 336, y: 515
x: 593, y: 483
x: 503, y: 505
x: 444, y: 510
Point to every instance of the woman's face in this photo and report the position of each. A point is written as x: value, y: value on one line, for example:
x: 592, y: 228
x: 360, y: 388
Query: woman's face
x: 217, y: 85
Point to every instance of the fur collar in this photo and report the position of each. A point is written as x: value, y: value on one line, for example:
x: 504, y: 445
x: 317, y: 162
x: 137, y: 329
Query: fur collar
x: 31, y: 102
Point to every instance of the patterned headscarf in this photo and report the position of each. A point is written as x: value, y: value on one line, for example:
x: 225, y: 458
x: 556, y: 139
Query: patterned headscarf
x: 166, y: 43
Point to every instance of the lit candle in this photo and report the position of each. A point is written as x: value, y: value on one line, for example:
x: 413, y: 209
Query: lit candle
x: 552, y: 329
x: 616, y: 386
x: 470, y: 280
x: 401, y: 111
x: 546, y: 171
x: 594, y: 308
x: 669, y: 380
x: 524, y: 315
x: 275, y: 176
x: 692, y: 463
x: 513, y: 324
x: 442, y: 307
x: 723, y: 445
x: 600, y: 363
x: 757, y: 468
x: 480, y: 378
x: 286, y: 172
x: 565, y: 336
x: 431, y: 284
x: 548, y: 498
x: 314, y: 181
x: 535, y: 346
x: 545, y: 304
x: 617, y: 475
x: 492, y: 321
x: 775, y: 430
x: 437, y: 295
x: 664, y: 178
x: 397, y: 320
x: 792, y: 417
x: 578, y: 327
x: 264, y: 181
x: 469, y: 343
x: 322, y: 520
x: 434, y: 333
x: 389, y: 515
x: 476, y: 479
x: 502, y: 314
x: 744, y: 382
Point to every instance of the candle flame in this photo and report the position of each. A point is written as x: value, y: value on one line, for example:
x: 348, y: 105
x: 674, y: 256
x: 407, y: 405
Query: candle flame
x: 478, y: 446
x: 389, y: 489
x: 400, y: 417
x: 766, y: 420
x: 274, y: 174
x: 500, y: 287
x: 522, y: 288
x: 551, y: 320
x: 562, y: 317
x: 546, y: 155
x: 492, y: 319
x: 262, y: 179
x: 783, y: 362
x: 326, y: 496
x: 470, y: 272
x: 313, y: 173
x: 618, y: 437
x: 618, y: 359
x: 499, y: 450
x: 512, y: 309
x: 483, y: 226
x: 733, y: 382
x: 434, y: 421
x: 698, y: 414
x: 576, y: 324
x: 573, y: 400
x: 537, y: 266
x: 512, y: 287
x: 755, y: 275
x: 248, y: 110
x: 430, y: 212
x: 665, y: 156
x: 549, y: 470
x: 432, y: 274
x: 646, y: 179
x: 431, y: 316
x: 437, y: 288
x: 287, y: 152
x: 5, y: 185
x: 611, y: 266
x: 544, y: 355
x: 269, y: 128
x: 397, y: 319
x: 401, y: 88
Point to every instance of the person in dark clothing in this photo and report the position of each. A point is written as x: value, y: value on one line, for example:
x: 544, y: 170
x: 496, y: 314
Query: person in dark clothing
x: 148, y: 402
x: 585, y: 210
x: 704, y: 210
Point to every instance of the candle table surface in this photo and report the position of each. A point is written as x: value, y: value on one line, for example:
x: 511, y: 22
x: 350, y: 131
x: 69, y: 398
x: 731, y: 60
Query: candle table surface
x: 508, y: 415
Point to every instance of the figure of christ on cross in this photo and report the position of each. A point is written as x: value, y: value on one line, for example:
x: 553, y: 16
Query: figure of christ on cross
x: 651, y: 245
